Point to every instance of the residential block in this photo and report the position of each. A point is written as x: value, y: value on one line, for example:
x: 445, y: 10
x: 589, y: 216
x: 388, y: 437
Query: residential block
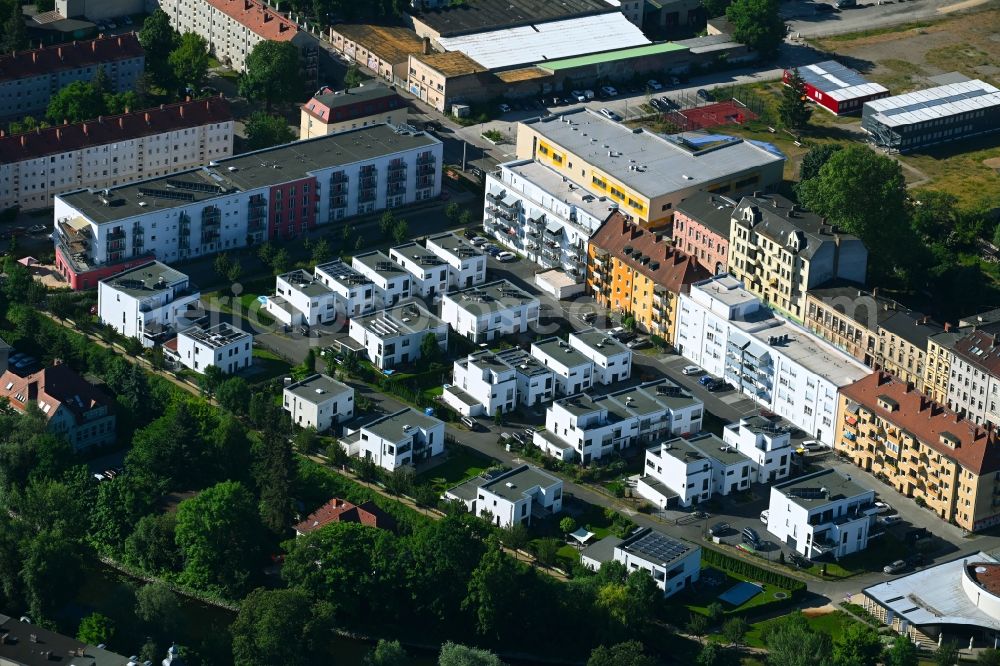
x: 148, y: 303
x: 510, y: 497
x: 402, y: 439
x: 318, y: 401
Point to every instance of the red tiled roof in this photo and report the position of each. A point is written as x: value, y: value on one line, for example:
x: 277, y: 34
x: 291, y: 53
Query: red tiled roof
x: 261, y: 20
x: 171, y: 344
x: 977, y: 449
x: 73, y: 55
x: 109, y: 129
x: 58, y: 386
x: 981, y: 349
x: 667, y: 266
x: 341, y: 511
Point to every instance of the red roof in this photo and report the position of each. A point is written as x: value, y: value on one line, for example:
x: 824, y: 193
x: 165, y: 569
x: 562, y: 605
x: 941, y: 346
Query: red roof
x: 171, y: 344
x: 109, y: 129
x: 57, y: 386
x: 260, y: 19
x: 73, y: 55
x: 981, y: 349
x: 975, y: 448
x: 666, y: 266
x: 342, y: 511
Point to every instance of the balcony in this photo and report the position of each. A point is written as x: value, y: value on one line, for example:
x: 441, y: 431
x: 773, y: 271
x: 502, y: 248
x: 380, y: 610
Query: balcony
x: 426, y: 169
x: 425, y: 159
x: 369, y: 182
x: 116, y: 234
x: 339, y: 177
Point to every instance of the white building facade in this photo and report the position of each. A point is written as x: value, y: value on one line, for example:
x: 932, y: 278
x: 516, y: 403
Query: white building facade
x: 535, y: 382
x: 574, y: 372
x: 431, y: 275
x: 393, y: 336
x: 354, y: 294
x: 612, y: 360
x: 511, y: 497
x: 146, y: 303
x: 694, y: 470
x: 466, y: 262
x: 319, y: 402
x: 299, y: 298
x: 672, y: 564
x: 490, y: 311
x: 398, y: 440
x: 482, y: 384
x: 765, y: 444
x: 223, y: 346
x: 393, y: 284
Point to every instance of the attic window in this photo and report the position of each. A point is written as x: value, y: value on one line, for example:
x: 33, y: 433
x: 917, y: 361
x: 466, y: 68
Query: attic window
x: 887, y: 403
x: 46, y: 408
x: 950, y: 440
x: 10, y: 385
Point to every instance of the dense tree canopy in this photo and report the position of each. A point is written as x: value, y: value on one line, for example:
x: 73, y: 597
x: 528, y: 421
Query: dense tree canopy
x: 265, y: 130
x: 792, y: 642
x: 757, y: 24
x: 158, y: 39
x: 275, y: 628
x: 272, y: 74
x: 189, y: 61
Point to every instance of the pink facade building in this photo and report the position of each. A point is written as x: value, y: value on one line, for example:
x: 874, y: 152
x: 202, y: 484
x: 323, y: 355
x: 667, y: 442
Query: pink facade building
x: 701, y: 229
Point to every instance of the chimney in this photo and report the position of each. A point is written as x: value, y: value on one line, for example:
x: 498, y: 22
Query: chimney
x: 947, y: 327
x: 24, y: 141
x: 267, y: 17
x: 427, y: 46
x: 147, y: 117
x: 181, y: 108
x: 33, y: 390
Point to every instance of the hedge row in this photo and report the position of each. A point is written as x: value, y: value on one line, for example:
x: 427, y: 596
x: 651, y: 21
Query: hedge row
x: 746, y: 569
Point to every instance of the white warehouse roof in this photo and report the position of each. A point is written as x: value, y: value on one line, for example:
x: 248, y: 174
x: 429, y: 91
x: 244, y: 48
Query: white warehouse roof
x: 934, y: 103
x: 531, y: 44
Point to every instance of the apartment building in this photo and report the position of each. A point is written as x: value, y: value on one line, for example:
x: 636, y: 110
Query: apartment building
x: 974, y: 387
x: 689, y: 471
x: 941, y: 351
x: 28, y: 79
x: 672, y: 564
x: 392, y: 282
x: 233, y: 27
x: 784, y: 368
x: 765, y: 444
x: 645, y: 173
x: 273, y: 193
x: 510, y: 497
x: 466, y: 262
x: 848, y: 317
x: 148, y: 303
x: 482, y: 383
x: 300, y: 298
x: 72, y: 407
x: 780, y: 252
x: 403, y: 439
x: 330, y: 111
x: 36, y: 166
x: 612, y: 360
x: 490, y: 311
x: 354, y: 294
x: 941, y: 459
x: 701, y: 229
x: 430, y: 273
x: 823, y: 513
x: 393, y: 336
x: 539, y: 213
x: 535, y: 382
x: 636, y: 271
x: 585, y: 428
x: 223, y: 346
x: 902, y: 344
x: 574, y: 371
x: 318, y: 401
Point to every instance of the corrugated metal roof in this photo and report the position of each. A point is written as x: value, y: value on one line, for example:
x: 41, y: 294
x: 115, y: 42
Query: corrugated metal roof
x: 499, y: 49
x: 934, y: 103
x: 839, y: 82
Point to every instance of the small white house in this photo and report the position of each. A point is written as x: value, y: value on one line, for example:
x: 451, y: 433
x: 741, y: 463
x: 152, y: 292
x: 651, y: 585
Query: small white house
x: 612, y: 360
x: 574, y: 371
x: 405, y: 438
x: 354, y: 293
x: 319, y: 402
x: 299, y: 298
x: 482, y: 384
x: 688, y: 471
x: 224, y: 346
x: 392, y: 283
x: 511, y: 497
x: 466, y: 262
x: 147, y: 302
x: 767, y: 445
x: 535, y: 382
x: 490, y: 311
x: 393, y: 336
x: 823, y: 513
x: 673, y: 564
x: 430, y: 273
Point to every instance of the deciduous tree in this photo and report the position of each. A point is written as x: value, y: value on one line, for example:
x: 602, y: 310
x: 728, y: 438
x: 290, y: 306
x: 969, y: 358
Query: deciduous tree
x: 454, y: 654
x: 757, y: 24
x: 275, y: 628
x: 857, y: 645
x: 76, y: 102
x: 265, y: 130
x: 158, y: 39
x: 189, y: 60
x: 902, y: 652
x: 272, y: 74
x: 629, y: 652
x: 95, y: 629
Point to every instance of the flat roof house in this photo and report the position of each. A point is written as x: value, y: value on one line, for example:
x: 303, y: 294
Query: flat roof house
x: 354, y: 293
x: 836, y: 88
x: 535, y: 382
x: 486, y: 312
x: 673, y: 564
x: 393, y: 336
x: 467, y: 263
x: 319, y: 402
x: 574, y: 370
x: 301, y: 298
x: 690, y: 471
x: 612, y: 360
x: 482, y: 383
x: 511, y: 497
x: 223, y: 345
x: 148, y: 302
x: 402, y: 439
x: 431, y: 274
x: 393, y: 283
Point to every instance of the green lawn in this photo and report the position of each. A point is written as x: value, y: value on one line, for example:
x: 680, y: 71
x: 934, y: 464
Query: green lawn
x: 269, y: 365
x: 880, y: 552
x: 462, y: 464
x: 698, y: 601
x: 830, y: 623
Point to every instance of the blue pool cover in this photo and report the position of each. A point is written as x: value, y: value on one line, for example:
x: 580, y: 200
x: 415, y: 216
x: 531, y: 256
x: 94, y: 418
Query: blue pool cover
x: 740, y: 593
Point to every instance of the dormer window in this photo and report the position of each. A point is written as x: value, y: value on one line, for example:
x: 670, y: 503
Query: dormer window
x: 887, y: 403
x: 949, y: 440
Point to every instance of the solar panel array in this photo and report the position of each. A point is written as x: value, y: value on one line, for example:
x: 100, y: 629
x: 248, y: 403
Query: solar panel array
x: 831, y: 75
x: 659, y: 547
x: 195, y: 186
x: 166, y: 194
x: 934, y: 103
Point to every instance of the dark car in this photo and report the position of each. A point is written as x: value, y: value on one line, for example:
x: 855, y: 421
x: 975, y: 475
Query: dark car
x: 704, y: 95
x: 718, y: 529
x: 720, y: 385
x: 667, y: 104
x: 750, y: 537
x: 706, y: 380
x: 823, y: 8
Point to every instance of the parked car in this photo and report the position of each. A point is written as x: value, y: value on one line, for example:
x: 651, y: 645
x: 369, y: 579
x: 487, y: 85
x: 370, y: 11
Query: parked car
x: 691, y: 370
x: 704, y: 95
x: 895, y: 567
x: 653, y: 84
x: 674, y: 81
x: 479, y: 241
x: 506, y: 256
x: 608, y: 113
x: 823, y: 8
x: 720, y: 385
x: 578, y: 96
x: 470, y: 423
x: 718, y: 529
x: 764, y: 515
x: 750, y: 537
x: 37, y: 228
x: 656, y: 104
x: 706, y: 380
x: 882, y: 507
x: 810, y: 445
x: 889, y: 520
x: 589, y: 94
x: 639, y: 343
x: 608, y: 91
x: 493, y: 251
x: 625, y: 337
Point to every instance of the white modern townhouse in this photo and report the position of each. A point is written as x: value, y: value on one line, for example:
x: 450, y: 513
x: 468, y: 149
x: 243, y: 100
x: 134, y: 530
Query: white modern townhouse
x: 393, y: 283
x: 689, y: 471
x: 489, y: 311
x: 300, y: 298
x: 466, y: 262
x: 393, y: 336
x: 612, y: 360
x: 510, y: 497
x: 765, y: 443
x: 148, y: 303
x: 482, y: 384
x: 319, y: 402
x: 354, y: 294
x: 223, y: 346
x: 823, y: 513
x: 402, y: 439
x: 431, y: 274
x: 783, y: 367
x: 672, y: 563
x: 535, y: 382
x: 574, y: 371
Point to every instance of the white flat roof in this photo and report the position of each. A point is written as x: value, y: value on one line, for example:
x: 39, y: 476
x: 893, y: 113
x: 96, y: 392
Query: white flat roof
x: 726, y: 289
x: 814, y: 354
x: 934, y: 103
x: 499, y: 49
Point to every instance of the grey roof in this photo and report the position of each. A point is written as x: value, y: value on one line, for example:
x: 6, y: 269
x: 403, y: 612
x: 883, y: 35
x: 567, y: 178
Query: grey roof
x: 948, y: 77
x: 217, y: 336
x: 933, y: 103
x: 20, y: 649
x: 709, y: 444
x: 467, y: 490
x: 345, y: 274
x: 465, y: 397
x: 710, y: 210
x: 780, y: 218
x: 403, y: 319
x: 808, y: 491
x: 490, y: 297
x: 600, y: 342
x: 456, y: 245
x: 838, y: 290
x: 523, y: 362
x: 655, y: 547
x: 664, y: 164
x: 305, y: 283
x: 380, y: 262
x: 280, y: 164
x: 981, y: 319
x: 473, y: 16
x: 582, y: 404
x: 559, y: 349
x: 839, y: 82
x: 145, y: 280
x: 914, y: 327
x: 318, y: 388
x: 392, y: 427
x: 602, y: 551
x: 488, y: 359
x: 368, y: 92
x: 560, y: 188
x: 651, y: 396
x: 513, y: 484
x: 419, y: 254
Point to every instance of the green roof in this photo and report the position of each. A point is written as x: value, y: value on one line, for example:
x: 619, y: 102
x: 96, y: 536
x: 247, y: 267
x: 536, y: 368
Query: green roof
x: 611, y: 56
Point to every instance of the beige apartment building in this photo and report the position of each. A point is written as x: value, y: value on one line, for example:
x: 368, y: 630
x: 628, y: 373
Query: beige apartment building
x: 330, y: 111
x: 925, y: 451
